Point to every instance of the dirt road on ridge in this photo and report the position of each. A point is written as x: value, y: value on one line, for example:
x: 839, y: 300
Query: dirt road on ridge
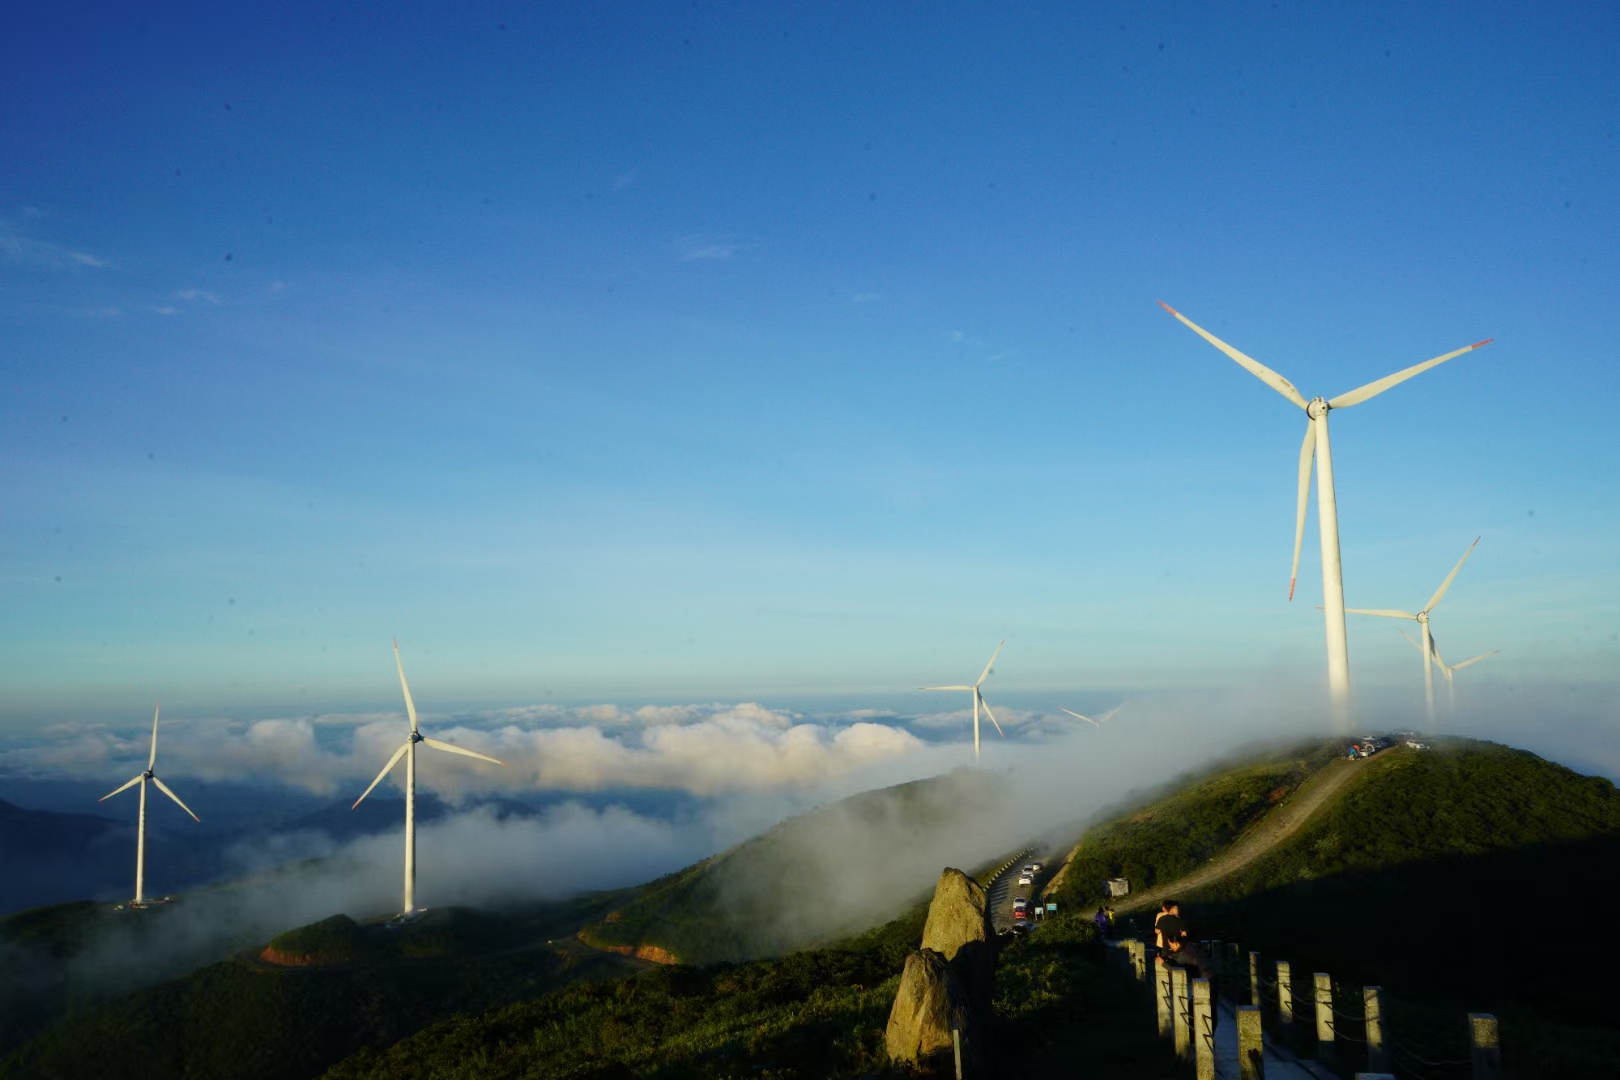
x: 1273, y: 829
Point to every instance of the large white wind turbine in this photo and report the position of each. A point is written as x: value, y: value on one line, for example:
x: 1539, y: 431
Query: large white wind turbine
x: 140, y: 830
x: 408, y: 752
x: 978, y: 699
x: 1327, y: 512
x: 1422, y: 619
x: 1097, y: 723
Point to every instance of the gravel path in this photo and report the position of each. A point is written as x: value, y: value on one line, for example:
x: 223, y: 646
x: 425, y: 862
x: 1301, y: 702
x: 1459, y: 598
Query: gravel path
x: 1273, y: 829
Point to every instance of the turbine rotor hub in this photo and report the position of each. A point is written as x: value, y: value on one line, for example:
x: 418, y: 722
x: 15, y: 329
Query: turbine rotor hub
x: 147, y: 775
x: 417, y: 736
x: 1317, y: 408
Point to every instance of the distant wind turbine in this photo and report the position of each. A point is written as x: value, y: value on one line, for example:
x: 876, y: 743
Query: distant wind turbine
x: 1422, y: 619
x: 140, y: 830
x: 408, y: 752
x: 978, y: 699
x: 1434, y: 649
x: 1327, y: 512
x: 1097, y: 723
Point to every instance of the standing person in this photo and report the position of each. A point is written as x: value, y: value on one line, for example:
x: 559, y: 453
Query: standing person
x: 1101, y: 919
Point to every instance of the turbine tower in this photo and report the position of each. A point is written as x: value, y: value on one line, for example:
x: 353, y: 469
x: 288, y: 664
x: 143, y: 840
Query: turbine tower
x: 1327, y: 511
x: 978, y: 699
x: 1422, y: 619
x: 140, y: 829
x: 408, y: 752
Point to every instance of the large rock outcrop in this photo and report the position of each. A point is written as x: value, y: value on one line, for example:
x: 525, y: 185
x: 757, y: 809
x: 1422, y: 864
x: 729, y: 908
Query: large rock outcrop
x: 949, y: 981
x: 930, y: 1003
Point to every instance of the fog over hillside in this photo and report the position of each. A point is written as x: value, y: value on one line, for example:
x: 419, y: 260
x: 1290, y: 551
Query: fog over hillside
x: 587, y: 774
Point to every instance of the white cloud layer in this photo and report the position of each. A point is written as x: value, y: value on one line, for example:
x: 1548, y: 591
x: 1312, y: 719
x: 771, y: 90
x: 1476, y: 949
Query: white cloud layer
x: 702, y: 750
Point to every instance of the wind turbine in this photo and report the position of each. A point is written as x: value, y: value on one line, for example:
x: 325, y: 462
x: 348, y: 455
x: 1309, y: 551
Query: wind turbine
x: 408, y: 752
x: 1097, y: 723
x: 140, y: 830
x: 1434, y: 649
x: 978, y: 699
x: 1327, y: 511
x: 1422, y: 619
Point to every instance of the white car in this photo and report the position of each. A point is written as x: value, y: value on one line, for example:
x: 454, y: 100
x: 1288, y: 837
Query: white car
x: 1034, y: 868
x: 1026, y: 879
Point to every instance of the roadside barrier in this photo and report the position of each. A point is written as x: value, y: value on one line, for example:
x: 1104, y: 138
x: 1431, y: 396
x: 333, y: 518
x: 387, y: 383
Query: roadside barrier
x: 1358, y: 1042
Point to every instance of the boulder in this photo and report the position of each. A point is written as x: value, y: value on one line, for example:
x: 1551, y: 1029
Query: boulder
x: 930, y: 1002
x: 949, y: 982
x: 958, y: 915
x: 959, y: 929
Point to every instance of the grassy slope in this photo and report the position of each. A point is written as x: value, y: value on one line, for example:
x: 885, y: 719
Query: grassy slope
x: 1173, y: 835
x: 1435, y: 876
x: 243, y: 1018
x: 814, y: 1013
x: 1432, y: 874
x: 730, y: 907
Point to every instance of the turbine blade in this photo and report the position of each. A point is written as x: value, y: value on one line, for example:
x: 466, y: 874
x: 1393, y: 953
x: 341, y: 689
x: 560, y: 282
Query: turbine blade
x: 1475, y: 660
x: 1387, y: 613
x: 1307, y: 452
x: 1434, y: 651
x: 151, y: 759
x: 988, y: 713
x: 986, y: 673
x: 165, y: 789
x: 1077, y: 716
x: 1255, y: 367
x: 454, y: 749
x: 126, y: 787
x: 945, y: 688
x: 410, y: 706
x: 1416, y: 644
x: 391, y: 763
x: 1373, y: 389
x: 1109, y: 715
x: 1434, y: 601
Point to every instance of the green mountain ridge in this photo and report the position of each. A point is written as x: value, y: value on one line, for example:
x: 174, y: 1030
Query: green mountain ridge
x: 1415, y: 874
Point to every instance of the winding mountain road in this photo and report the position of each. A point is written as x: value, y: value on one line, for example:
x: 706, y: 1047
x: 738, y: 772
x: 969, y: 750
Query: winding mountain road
x: 1272, y: 830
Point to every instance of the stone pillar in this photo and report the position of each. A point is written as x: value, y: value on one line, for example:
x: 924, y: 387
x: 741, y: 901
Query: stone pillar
x: 1485, y: 1048
x: 1234, y: 966
x: 1203, y: 1030
x: 1161, y: 994
x: 1251, y: 1043
x: 1254, y: 980
x: 1285, y: 999
x: 1324, y: 1016
x: 1377, y: 1052
x: 1181, y: 1013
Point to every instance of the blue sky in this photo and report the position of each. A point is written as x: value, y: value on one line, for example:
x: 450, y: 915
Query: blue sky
x: 711, y: 352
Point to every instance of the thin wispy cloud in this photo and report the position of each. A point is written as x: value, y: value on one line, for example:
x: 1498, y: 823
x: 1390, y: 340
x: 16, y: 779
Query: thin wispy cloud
x: 196, y: 294
x: 24, y: 250
x: 703, y: 249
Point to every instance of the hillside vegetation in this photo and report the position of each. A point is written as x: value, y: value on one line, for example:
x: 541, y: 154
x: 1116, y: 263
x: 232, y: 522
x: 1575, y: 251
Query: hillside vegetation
x: 812, y: 1014
x: 823, y: 875
x: 1172, y: 836
x: 349, y: 985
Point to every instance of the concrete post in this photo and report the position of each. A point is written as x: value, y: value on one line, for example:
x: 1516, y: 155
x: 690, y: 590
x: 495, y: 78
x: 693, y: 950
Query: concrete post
x: 1251, y: 1044
x: 1254, y: 980
x: 1285, y: 999
x: 1485, y: 1048
x: 1181, y: 1012
x: 1324, y: 1015
x: 1203, y: 1030
x: 1234, y: 963
x: 1377, y: 1052
x: 956, y: 1049
x: 1216, y: 957
x: 1161, y: 994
